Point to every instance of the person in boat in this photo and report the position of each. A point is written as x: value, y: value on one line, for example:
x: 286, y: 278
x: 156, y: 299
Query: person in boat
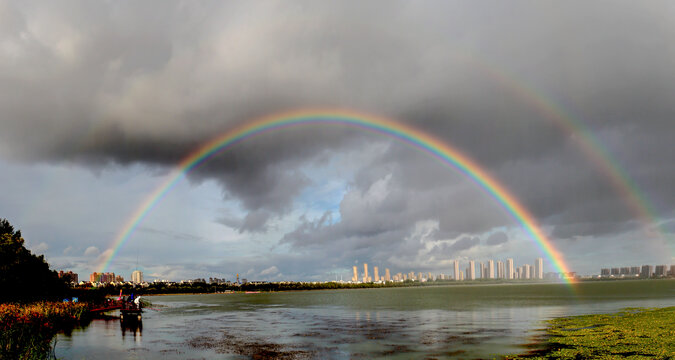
x: 137, y: 301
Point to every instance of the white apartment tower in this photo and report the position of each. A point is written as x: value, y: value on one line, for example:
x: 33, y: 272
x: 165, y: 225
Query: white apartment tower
x: 500, y: 269
x: 509, y: 269
x: 137, y: 277
x: 471, y: 272
x: 376, y: 276
x: 538, y: 268
x: 355, y: 278
x: 491, y: 269
x: 457, y: 277
x: 365, y: 272
x: 526, y: 271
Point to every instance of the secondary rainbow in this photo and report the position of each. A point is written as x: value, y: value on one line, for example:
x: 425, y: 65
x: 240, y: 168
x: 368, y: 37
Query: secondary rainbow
x: 591, y: 146
x: 368, y: 122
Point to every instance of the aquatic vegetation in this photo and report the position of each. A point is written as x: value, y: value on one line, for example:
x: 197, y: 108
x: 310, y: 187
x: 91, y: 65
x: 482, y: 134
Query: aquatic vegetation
x: 26, y: 330
x: 632, y: 333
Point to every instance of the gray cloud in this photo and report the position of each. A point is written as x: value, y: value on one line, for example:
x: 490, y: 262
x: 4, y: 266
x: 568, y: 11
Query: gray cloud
x: 451, y: 249
x: 497, y: 238
x: 119, y: 84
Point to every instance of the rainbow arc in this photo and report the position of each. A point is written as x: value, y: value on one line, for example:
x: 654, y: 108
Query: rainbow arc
x: 415, y: 138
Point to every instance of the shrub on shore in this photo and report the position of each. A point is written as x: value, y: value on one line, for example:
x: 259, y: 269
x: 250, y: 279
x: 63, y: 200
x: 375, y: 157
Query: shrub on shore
x: 26, y: 330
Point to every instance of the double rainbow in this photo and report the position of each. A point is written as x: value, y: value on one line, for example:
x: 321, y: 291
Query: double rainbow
x: 371, y: 123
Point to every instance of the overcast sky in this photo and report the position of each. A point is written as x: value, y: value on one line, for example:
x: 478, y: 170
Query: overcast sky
x: 100, y: 100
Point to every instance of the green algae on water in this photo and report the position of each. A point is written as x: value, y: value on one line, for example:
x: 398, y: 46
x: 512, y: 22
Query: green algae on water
x: 633, y: 333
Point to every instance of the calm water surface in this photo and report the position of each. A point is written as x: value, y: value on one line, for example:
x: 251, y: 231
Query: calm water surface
x: 461, y: 321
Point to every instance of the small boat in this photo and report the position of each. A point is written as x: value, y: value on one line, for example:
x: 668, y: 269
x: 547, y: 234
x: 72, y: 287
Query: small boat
x: 131, y: 311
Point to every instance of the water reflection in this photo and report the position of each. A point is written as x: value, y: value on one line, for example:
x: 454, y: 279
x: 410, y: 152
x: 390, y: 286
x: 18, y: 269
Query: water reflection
x: 132, y: 328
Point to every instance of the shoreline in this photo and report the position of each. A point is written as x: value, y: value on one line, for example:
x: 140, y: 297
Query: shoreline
x: 413, y: 285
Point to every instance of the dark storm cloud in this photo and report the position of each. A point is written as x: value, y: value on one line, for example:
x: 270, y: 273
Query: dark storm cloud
x: 100, y: 84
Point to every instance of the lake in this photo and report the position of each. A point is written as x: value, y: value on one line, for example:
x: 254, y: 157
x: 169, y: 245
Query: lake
x: 444, y: 322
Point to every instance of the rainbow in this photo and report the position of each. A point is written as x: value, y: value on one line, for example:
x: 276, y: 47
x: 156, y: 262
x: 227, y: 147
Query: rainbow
x: 371, y: 123
x: 588, y: 143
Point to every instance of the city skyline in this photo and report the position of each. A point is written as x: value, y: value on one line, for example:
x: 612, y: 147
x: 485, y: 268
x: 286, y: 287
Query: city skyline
x: 525, y: 272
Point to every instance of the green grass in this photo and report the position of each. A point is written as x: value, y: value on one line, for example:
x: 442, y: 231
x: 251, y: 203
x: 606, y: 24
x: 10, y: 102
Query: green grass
x: 630, y: 334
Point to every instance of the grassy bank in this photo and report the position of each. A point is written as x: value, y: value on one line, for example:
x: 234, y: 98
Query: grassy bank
x: 631, y: 333
x: 26, y: 330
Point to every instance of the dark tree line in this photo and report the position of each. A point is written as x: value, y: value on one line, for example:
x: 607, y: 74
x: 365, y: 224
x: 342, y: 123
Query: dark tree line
x: 23, y: 275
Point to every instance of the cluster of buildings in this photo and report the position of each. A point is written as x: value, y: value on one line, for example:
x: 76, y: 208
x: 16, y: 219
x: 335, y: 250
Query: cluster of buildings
x: 69, y: 276
x: 473, y: 271
x: 97, y: 278
x: 500, y: 270
x: 105, y: 278
x: 645, y: 272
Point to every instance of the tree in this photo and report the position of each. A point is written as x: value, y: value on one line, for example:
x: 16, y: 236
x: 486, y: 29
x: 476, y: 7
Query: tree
x: 24, y: 276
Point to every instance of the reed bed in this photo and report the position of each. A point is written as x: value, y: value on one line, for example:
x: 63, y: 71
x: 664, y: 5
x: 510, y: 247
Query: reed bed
x: 26, y: 330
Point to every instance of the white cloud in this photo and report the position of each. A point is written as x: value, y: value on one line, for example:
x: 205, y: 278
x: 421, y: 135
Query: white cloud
x: 269, y: 271
x: 92, y: 251
x: 41, y: 248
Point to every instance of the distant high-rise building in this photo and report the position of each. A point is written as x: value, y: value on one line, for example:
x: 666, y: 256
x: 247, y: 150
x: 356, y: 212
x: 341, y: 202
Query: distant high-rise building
x: 491, y: 269
x: 104, y: 278
x: 365, y: 272
x: 519, y: 274
x: 672, y: 270
x: 481, y: 271
x: 387, y: 276
x: 137, y: 277
x: 646, y: 271
x: 419, y: 276
x: 509, y: 269
x: 461, y: 276
x: 539, y: 268
x: 471, y: 272
x: 376, y: 275
x: 501, y: 270
x: 456, y: 269
x: 69, y: 277
x: 616, y: 271
x: 526, y: 271
x: 634, y: 270
x: 661, y: 270
x: 604, y: 272
x: 355, y: 277
x: 625, y: 271
x: 430, y: 277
